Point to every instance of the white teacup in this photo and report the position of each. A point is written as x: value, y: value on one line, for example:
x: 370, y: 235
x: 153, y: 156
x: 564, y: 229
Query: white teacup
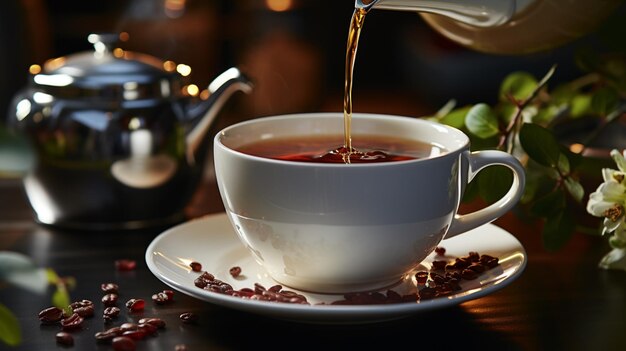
x: 350, y: 227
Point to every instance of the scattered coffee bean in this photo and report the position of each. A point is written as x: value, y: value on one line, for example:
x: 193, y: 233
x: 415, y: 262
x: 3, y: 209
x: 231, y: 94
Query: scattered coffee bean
x: 477, y: 267
x: 72, y: 322
x: 110, y: 300
x: 107, y: 336
x: 65, y: 339
x: 109, y: 288
x: 473, y: 256
x: 83, y: 308
x: 160, y: 298
x: 50, y: 315
x: 235, y: 271
x: 111, y: 313
x: 157, y: 322
x: 128, y: 326
x: 123, y: 343
x: 169, y: 293
x: 135, y: 305
x: 439, y: 265
x: 469, y: 274
x: 189, y: 318
x: 195, y: 266
x: 489, y: 261
x: 125, y: 265
x: 148, y: 329
x: 430, y: 284
x: 136, y: 334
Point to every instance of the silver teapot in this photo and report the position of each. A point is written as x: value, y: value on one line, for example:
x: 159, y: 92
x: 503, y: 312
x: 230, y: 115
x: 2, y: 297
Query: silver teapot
x: 117, y: 143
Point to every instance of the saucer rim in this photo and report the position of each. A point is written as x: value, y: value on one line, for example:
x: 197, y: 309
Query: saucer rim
x: 322, y: 313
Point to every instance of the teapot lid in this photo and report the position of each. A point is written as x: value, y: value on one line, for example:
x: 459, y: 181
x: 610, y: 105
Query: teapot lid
x: 108, y: 72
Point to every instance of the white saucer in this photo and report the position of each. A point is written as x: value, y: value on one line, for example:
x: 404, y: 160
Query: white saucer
x: 212, y: 242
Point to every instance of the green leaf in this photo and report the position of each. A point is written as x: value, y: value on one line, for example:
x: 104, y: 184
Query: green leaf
x: 574, y: 188
x: 563, y: 164
x: 10, y: 332
x: 481, y: 121
x: 520, y: 85
x: 52, y: 276
x: 456, y: 117
x: 547, y: 114
x: 580, y: 105
x: 60, y: 298
x: 557, y: 230
x: 604, y: 101
x: 540, y: 144
x: 549, y: 204
x: 494, y: 182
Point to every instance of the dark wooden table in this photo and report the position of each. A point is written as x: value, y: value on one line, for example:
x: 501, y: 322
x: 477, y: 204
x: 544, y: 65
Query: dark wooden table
x: 562, y: 301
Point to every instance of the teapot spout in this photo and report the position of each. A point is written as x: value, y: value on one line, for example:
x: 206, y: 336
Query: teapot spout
x: 203, y: 114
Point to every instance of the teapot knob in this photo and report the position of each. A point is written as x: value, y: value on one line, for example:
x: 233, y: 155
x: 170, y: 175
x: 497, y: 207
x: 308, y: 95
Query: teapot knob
x: 103, y: 42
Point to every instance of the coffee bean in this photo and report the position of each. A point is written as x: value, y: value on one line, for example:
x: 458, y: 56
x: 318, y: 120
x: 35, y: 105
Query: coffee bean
x: 107, y: 336
x: 160, y: 298
x: 72, y: 322
x: 109, y: 300
x: 189, y: 318
x: 109, y: 288
x: 235, y: 271
x: 195, y: 266
x: 65, y: 339
x: 135, y: 305
x: 125, y: 265
x: 123, y: 343
x: 50, y: 315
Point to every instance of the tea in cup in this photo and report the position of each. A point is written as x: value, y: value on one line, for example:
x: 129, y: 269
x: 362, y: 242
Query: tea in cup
x: 318, y: 223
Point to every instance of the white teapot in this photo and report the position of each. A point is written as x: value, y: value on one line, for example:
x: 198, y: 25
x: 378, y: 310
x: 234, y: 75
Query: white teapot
x: 506, y: 26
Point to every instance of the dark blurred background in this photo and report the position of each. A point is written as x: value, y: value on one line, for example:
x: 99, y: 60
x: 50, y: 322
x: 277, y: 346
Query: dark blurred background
x: 294, y: 49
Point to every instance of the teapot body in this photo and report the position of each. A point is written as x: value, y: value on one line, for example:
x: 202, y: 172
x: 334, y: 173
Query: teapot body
x: 108, y: 165
x: 118, y: 144
x: 537, y: 25
x: 509, y: 27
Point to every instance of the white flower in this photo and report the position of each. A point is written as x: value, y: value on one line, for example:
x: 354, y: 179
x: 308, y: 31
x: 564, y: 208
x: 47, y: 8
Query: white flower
x: 609, y: 201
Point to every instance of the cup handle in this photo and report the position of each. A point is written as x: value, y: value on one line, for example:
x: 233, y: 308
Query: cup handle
x: 476, y: 162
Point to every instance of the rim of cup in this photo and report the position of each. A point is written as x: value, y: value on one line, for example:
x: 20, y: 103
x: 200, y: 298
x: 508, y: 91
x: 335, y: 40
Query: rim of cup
x: 461, y: 139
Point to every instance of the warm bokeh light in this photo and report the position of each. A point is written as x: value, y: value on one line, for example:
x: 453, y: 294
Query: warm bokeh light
x: 279, y: 5
x: 192, y: 89
x: 174, y: 8
x: 169, y: 66
x: 117, y: 52
x: 183, y: 69
x: 124, y: 36
x: 55, y: 63
x: 34, y: 69
x: 204, y: 94
x: 576, y: 148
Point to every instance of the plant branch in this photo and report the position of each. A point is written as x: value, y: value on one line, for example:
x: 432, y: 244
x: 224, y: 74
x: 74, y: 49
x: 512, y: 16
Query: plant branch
x: 520, y: 105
